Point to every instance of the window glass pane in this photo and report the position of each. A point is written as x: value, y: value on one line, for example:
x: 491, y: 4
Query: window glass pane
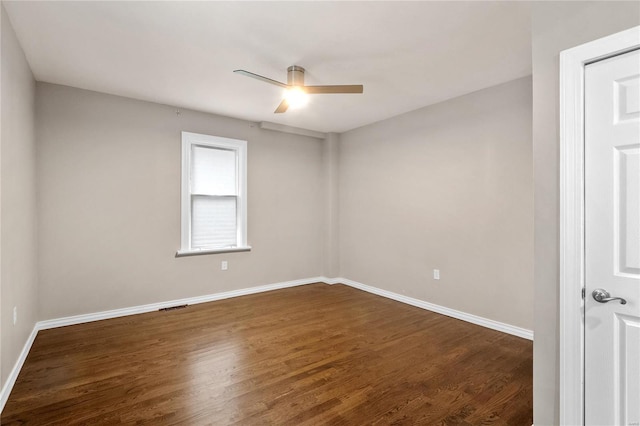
x: 213, y: 221
x: 213, y: 171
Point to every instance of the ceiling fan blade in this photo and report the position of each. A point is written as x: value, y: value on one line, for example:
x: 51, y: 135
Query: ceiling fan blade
x: 261, y: 78
x: 284, y: 105
x: 350, y: 88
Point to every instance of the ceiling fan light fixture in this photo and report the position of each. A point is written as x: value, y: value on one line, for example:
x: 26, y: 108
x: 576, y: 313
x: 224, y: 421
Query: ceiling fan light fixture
x: 296, y: 97
x: 296, y: 92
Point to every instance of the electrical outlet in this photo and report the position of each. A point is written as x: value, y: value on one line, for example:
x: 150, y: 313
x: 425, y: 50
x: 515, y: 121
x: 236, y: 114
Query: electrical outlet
x: 15, y: 315
x: 224, y: 265
x: 436, y: 274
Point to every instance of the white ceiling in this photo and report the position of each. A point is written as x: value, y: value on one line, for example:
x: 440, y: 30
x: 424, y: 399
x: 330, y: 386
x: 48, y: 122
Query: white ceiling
x: 407, y: 54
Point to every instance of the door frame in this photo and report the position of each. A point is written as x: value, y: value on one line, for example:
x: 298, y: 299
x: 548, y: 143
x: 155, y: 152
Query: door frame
x: 572, y: 254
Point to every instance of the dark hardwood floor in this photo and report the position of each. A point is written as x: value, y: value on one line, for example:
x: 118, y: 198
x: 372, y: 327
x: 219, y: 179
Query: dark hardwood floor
x: 315, y: 354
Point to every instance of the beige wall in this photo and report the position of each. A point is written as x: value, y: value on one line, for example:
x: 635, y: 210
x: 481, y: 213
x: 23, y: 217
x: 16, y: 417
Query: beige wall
x: 556, y: 26
x: 18, y: 199
x: 109, y: 176
x: 109, y: 198
x: 448, y: 186
x: 331, y: 254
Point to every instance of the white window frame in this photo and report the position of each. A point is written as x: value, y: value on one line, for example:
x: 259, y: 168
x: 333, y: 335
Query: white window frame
x: 189, y: 140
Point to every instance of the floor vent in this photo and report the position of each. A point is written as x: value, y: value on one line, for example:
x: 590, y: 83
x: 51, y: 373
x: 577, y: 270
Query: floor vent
x: 171, y: 308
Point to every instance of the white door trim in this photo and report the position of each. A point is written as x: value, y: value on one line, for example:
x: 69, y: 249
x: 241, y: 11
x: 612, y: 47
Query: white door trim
x: 572, y: 63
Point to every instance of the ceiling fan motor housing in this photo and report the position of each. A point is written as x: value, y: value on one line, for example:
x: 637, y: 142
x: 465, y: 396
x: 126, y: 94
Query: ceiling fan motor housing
x: 295, y: 76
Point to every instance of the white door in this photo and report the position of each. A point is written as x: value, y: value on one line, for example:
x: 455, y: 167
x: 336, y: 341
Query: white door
x: 612, y: 241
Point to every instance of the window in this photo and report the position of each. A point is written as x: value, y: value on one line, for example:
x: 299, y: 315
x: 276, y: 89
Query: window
x: 214, y: 195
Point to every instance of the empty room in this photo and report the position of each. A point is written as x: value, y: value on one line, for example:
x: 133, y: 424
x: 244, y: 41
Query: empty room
x: 320, y: 213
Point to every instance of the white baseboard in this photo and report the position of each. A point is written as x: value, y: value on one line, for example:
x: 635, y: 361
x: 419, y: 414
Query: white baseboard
x: 115, y: 313
x: 332, y: 281
x: 474, y: 319
x: 13, y: 374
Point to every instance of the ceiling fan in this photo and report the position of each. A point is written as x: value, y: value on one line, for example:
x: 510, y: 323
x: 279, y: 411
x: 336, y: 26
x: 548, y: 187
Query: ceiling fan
x: 297, y: 92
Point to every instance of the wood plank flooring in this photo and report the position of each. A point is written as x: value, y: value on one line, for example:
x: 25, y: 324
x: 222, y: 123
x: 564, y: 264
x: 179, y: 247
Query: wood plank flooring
x: 309, y: 355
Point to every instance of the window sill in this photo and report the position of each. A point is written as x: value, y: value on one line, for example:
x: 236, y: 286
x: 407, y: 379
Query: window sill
x: 183, y: 253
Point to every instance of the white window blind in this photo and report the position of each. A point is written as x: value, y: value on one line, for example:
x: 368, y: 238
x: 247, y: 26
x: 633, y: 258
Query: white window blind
x: 213, y: 171
x: 214, y: 194
x: 213, y: 222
